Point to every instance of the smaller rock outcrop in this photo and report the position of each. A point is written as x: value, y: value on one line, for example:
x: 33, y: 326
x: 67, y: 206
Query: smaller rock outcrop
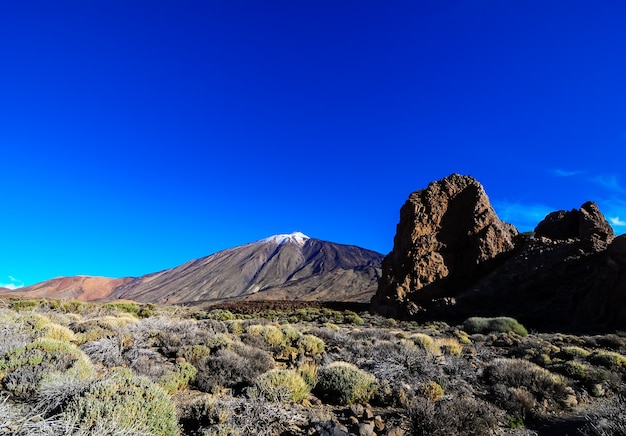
x: 448, y: 235
x: 584, y: 223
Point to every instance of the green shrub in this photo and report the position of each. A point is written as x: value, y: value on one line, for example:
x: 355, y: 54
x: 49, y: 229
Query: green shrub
x: 177, y: 380
x: 127, y: 400
x: 20, y: 305
x: 272, y: 335
x: 502, y: 324
x: 280, y: 385
x: 310, y: 344
x: 344, y: 383
x: 573, y: 352
x: 23, y: 369
x: 608, y: 359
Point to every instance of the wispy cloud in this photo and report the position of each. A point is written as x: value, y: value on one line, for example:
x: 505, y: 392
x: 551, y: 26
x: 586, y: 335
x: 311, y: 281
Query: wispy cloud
x: 610, y: 182
x: 13, y: 283
x: 616, y: 221
x: 523, y: 216
x: 559, y: 172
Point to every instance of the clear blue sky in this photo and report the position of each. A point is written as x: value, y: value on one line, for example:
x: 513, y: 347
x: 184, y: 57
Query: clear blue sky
x: 137, y: 135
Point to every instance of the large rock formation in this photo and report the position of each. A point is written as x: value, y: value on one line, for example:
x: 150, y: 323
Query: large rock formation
x: 449, y: 243
x: 584, y: 223
x: 448, y: 236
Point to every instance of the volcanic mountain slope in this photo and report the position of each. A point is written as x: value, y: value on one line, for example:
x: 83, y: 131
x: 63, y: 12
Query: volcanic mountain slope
x: 289, y: 267
x: 281, y: 267
x: 82, y: 288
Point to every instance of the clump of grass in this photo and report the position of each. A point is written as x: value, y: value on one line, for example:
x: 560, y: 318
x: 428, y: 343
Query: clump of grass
x: 344, y: 383
x: 501, y: 324
x: 425, y: 342
x: 449, y: 346
x: 280, y: 385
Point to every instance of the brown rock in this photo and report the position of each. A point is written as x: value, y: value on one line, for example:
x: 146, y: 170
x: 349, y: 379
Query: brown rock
x: 395, y: 431
x: 366, y: 429
x: 584, y: 223
x: 448, y: 234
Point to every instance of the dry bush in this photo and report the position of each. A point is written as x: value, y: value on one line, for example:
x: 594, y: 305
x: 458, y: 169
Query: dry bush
x: 545, y: 387
x: 454, y: 416
x: 236, y: 367
x: 255, y: 416
x: 23, y: 369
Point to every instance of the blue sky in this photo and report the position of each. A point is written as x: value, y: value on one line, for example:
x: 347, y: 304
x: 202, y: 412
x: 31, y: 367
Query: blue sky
x: 137, y: 135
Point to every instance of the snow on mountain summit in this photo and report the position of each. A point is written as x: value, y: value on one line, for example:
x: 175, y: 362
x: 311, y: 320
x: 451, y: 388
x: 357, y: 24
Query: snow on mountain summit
x: 296, y: 237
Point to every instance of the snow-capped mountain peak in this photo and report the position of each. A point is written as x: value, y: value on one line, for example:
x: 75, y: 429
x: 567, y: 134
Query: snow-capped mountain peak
x: 295, y: 237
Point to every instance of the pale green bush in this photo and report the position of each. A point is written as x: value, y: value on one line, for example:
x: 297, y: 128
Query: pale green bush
x: 279, y: 385
x: 502, y: 324
x: 344, y: 383
x: 124, y: 399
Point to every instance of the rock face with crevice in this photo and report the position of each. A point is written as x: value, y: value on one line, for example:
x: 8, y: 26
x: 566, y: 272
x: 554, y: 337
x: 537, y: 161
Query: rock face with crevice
x: 448, y: 235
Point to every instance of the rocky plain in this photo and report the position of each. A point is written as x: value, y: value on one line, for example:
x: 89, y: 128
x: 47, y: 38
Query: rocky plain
x: 473, y: 328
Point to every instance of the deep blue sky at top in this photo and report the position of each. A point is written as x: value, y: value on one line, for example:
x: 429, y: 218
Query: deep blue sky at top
x: 137, y: 135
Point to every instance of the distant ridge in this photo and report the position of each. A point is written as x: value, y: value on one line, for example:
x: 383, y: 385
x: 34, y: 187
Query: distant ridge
x: 281, y: 267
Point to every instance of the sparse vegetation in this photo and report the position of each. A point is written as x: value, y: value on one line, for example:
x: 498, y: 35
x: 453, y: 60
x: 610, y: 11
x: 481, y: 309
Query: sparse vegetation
x: 124, y: 368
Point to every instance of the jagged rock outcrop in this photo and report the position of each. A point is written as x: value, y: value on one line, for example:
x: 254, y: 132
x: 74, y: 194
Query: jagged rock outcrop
x: 584, y: 223
x: 448, y: 235
x: 449, y: 243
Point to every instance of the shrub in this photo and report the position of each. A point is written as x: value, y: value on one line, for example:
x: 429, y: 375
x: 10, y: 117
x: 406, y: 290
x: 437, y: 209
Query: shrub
x: 502, y: 324
x: 126, y: 400
x: 177, y: 380
x: 425, y: 342
x: 279, y: 385
x: 458, y: 415
x: 573, y: 352
x: 517, y: 373
x: 270, y: 333
x: 608, y: 359
x: 202, y: 412
x: 232, y: 368
x: 23, y: 369
x: 344, y: 383
x: 57, y: 332
x: 310, y: 344
x: 449, y: 346
x: 431, y: 391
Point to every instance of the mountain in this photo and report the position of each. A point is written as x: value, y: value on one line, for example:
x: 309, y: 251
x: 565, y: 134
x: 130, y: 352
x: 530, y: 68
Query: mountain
x: 282, y: 267
x: 82, y: 288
